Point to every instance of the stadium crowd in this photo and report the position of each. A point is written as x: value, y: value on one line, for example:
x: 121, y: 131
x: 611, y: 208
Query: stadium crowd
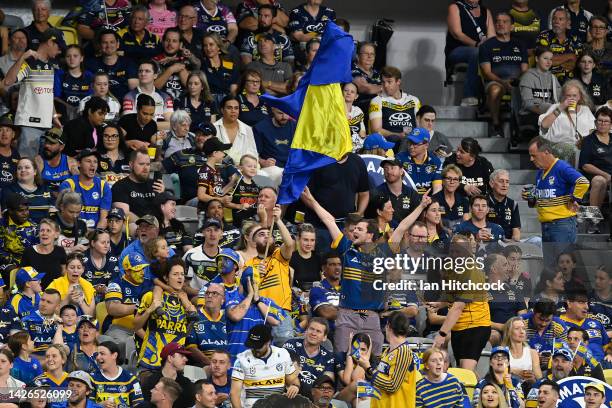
x: 145, y: 261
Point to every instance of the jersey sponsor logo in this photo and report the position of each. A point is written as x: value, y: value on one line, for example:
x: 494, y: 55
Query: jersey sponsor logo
x: 314, y: 28
x: 39, y: 90
x: 216, y: 29
x: 399, y: 118
x: 263, y: 383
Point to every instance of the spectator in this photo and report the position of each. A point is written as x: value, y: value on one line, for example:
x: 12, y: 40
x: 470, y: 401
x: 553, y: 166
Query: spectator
x: 41, y: 11
x: 29, y: 185
x: 17, y: 232
x: 82, y: 354
x: 542, y: 327
x: 252, y: 109
x: 18, y: 44
x: 479, y: 225
x: 397, y: 382
x: 475, y: 168
x: 600, y: 46
x: 437, y: 235
x: 43, y: 327
x: 231, y: 234
x: 283, y: 51
x: 54, y: 375
x: 81, y: 387
x: 179, y: 137
x: 100, y: 265
x: 95, y: 193
x: 206, y: 395
x: 601, y: 296
x: 200, y: 260
x: 439, y: 144
x: 210, y: 183
x: 365, y: 76
x: 502, y: 209
x: 469, y: 25
x: 262, y: 360
x: 594, y: 395
x: 585, y: 365
x: 437, y: 388
x: 35, y: 110
x: 315, y: 359
x: 134, y: 193
x: 122, y: 71
x: 560, y: 369
x: 222, y: 75
x: 423, y: 169
x: 119, y: 239
x: 312, y: 47
x: 83, y: 132
x: 539, y: 87
x: 519, y: 280
x: 140, y: 128
x: 558, y: 219
x: 305, y: 262
x: 174, y: 358
x: 500, y: 376
x: 323, y: 392
x: 171, y: 228
x: 577, y: 316
x: 113, y: 154
x: 191, y: 37
x: 404, y: 198
x: 148, y: 71
x: 29, y: 287
x: 46, y: 255
x: 527, y: 24
x: 73, y: 288
x: 551, y: 286
x: 197, y: 100
x: 524, y: 361
x: 165, y: 393
x: 579, y: 19
x: 185, y: 163
x: 100, y: 89
x: 324, y: 297
x: 136, y: 41
x: 594, y: 83
x: 73, y: 84
x: 596, y: 158
x: 9, y: 156
x: 562, y: 43
x: 454, y: 206
x: 72, y: 228
x: 245, y: 192
x: 161, y: 18
x: 175, y: 64
x: 380, y: 210
x: 275, y: 75
x: 54, y: 164
x: 113, y: 15
x: 25, y: 368
x: 273, y: 137
x: 303, y: 26
x: 548, y: 394
x: 355, y: 115
x: 233, y: 131
x: 109, y: 373
x: 502, y: 61
x: 248, y: 15
x: 216, y: 18
x: 209, y: 335
x: 220, y: 365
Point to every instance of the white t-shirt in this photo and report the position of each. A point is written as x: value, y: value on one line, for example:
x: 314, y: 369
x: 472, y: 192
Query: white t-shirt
x: 563, y: 130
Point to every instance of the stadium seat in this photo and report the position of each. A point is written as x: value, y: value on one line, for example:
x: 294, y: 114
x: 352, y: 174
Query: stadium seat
x: 70, y: 34
x: 12, y: 276
x: 186, y: 213
x: 101, y: 312
x: 263, y: 181
x: 608, y: 375
x: 194, y: 373
x: 466, y: 377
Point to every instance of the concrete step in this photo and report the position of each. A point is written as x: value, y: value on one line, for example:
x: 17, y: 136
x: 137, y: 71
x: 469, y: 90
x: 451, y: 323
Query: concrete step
x: 505, y: 160
x: 456, y: 112
x: 488, y: 144
x: 463, y: 128
x: 525, y: 175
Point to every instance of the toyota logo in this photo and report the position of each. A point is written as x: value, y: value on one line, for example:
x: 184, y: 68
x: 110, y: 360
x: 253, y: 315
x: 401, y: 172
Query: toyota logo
x: 314, y: 28
x: 73, y: 99
x: 216, y: 29
x: 400, y: 117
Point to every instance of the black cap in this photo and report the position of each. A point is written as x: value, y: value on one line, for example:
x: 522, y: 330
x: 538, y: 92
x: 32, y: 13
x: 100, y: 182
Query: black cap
x: 116, y: 213
x: 215, y: 145
x: 203, y: 127
x: 163, y: 198
x: 8, y: 120
x: 212, y: 222
x: 54, y: 136
x: 258, y: 336
x: 324, y: 379
x: 47, y: 35
x: 86, y: 153
x: 14, y: 201
x: 266, y: 36
x: 393, y: 162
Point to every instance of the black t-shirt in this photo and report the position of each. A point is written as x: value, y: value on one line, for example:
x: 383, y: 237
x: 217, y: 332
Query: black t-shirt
x: 139, y: 196
x: 334, y: 187
x: 69, y: 233
x: 185, y: 399
x: 134, y: 131
x: 478, y: 174
x: 176, y: 236
x: 49, y: 264
x: 305, y: 270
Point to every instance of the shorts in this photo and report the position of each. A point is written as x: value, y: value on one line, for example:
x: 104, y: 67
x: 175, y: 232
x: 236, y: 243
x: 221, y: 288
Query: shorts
x: 354, y: 321
x: 469, y: 343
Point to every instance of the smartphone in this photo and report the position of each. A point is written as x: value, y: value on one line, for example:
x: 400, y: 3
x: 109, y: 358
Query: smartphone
x: 157, y: 176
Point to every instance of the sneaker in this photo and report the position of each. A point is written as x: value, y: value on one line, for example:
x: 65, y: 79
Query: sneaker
x: 471, y: 101
x: 497, y: 131
x: 593, y: 228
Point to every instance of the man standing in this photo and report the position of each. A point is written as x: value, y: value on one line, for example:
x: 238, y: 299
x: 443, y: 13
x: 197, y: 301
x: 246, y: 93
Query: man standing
x: 95, y: 192
x: 273, y: 137
x: 174, y: 359
x: 42, y: 324
x: 54, y: 165
x: 502, y: 61
x: 283, y: 51
x: 200, y: 264
x: 502, y: 209
x: 424, y: 169
x: 564, y: 46
x: 404, y: 198
x: 262, y: 370
x: 35, y: 111
x: 558, y: 194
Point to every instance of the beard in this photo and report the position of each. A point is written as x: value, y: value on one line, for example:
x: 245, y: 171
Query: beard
x: 261, y: 248
x: 141, y: 178
x: 47, y: 155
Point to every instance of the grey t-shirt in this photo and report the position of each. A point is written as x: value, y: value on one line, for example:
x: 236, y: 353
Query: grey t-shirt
x: 279, y: 72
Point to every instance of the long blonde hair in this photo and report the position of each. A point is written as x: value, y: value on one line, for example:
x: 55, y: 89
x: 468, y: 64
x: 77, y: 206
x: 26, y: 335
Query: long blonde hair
x: 506, y: 340
x: 585, y: 98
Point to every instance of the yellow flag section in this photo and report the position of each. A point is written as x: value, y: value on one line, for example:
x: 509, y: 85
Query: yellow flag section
x: 323, y: 126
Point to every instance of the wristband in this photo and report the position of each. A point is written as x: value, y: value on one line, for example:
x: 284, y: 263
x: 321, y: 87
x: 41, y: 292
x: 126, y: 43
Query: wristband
x: 557, y: 112
x: 442, y: 334
x: 369, y: 372
x: 256, y: 302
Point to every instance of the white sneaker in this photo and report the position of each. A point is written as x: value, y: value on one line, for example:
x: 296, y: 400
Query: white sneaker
x: 471, y: 101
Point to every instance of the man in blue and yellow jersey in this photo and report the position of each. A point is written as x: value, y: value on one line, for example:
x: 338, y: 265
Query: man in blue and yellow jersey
x: 395, y: 375
x: 559, y: 191
x: 42, y: 324
x: 95, y: 192
x: 424, y: 169
x: 166, y: 319
x: 113, y: 383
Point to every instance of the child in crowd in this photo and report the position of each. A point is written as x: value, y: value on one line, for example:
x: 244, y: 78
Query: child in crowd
x: 245, y: 193
x: 25, y: 368
x: 68, y: 314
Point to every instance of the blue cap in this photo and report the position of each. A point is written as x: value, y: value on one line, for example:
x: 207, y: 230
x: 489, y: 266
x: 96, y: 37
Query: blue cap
x: 116, y: 213
x: 134, y: 261
x: 419, y: 135
x: 27, y: 274
x: 500, y: 349
x: 227, y: 260
x: 205, y: 128
x: 564, y: 352
x: 377, y: 141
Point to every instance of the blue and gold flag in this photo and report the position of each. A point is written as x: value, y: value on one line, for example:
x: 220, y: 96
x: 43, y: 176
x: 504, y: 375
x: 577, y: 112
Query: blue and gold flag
x: 366, y: 389
x: 322, y: 134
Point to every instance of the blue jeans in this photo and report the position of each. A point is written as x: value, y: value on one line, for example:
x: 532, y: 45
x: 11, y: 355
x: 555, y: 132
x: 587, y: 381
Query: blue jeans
x: 467, y: 55
x: 557, y: 236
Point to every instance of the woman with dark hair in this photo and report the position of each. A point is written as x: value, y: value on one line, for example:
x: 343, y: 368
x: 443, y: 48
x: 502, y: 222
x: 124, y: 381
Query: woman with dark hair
x: 595, y: 83
x: 475, y: 168
x: 252, y: 109
x: 73, y: 288
x: 551, y: 286
x: 114, y: 154
x: 9, y: 155
x: 566, y: 263
x: 437, y: 235
x: 380, y: 209
x: 362, y: 344
x: 169, y: 227
x: 72, y: 84
x: 84, y: 131
x: 30, y: 185
x: 222, y: 74
x: 231, y: 130
x: 600, y: 45
x: 499, y: 376
x: 198, y: 101
x: 100, y: 265
x: 305, y: 261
